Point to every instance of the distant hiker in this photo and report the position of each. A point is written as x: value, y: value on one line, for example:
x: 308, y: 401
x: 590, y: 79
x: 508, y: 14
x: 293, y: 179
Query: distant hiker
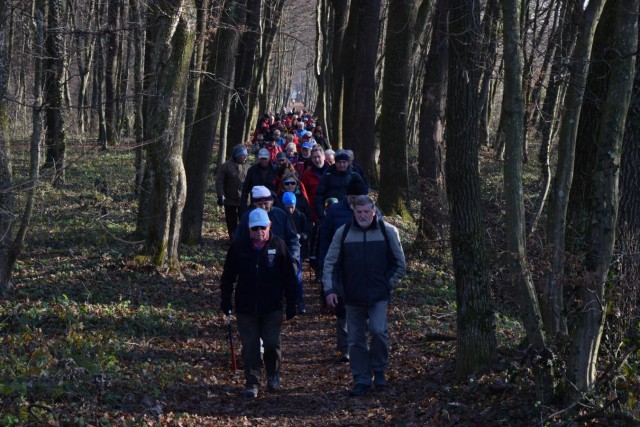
x: 365, y: 261
x: 262, y: 269
x: 229, y: 180
x: 261, y: 173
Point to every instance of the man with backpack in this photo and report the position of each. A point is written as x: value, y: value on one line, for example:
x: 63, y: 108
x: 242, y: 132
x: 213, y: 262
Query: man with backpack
x: 364, y: 262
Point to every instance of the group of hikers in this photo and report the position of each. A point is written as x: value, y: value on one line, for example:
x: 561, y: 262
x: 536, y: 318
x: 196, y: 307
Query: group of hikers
x: 301, y: 201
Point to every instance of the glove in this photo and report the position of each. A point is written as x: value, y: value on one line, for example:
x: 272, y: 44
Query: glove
x: 220, y: 200
x: 291, y: 311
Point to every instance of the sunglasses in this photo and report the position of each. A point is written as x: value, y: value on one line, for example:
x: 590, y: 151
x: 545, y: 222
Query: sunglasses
x: 258, y: 227
x: 289, y: 183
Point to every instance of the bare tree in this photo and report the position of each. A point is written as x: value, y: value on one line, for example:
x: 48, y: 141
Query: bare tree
x: 476, y: 339
x: 170, y: 43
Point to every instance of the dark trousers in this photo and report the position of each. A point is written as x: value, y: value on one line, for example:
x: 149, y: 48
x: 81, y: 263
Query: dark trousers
x: 253, y: 328
x: 232, y: 217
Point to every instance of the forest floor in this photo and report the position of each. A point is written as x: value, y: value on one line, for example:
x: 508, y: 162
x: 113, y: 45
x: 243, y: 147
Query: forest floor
x: 91, y: 335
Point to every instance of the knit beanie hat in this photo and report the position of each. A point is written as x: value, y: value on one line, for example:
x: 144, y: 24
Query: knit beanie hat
x: 260, y: 193
x: 341, y: 155
x: 289, y: 199
x: 356, y: 187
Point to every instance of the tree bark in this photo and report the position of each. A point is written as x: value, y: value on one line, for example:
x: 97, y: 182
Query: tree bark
x: 340, y: 18
x: 398, y: 62
x: 610, y: 85
x: 138, y: 35
x: 245, y: 59
x: 53, y: 72
x: 214, y: 90
x: 431, y: 125
x: 110, y: 71
x: 476, y: 339
x: 364, y: 100
x: 170, y: 43
x: 553, y: 300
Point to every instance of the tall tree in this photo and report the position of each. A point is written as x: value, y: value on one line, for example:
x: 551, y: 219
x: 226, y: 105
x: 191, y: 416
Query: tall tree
x: 553, y: 306
x: 394, y: 135
x: 594, y: 193
x: 364, y: 99
x: 212, y: 97
x: 110, y: 70
x: 138, y: 35
x: 245, y: 60
x: 10, y: 240
x: 629, y: 216
x: 476, y: 338
x: 513, y: 111
x: 55, y: 141
x: 170, y: 44
x: 431, y: 125
x: 340, y: 9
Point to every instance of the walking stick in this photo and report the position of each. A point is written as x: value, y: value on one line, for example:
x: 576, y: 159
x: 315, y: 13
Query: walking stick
x: 233, y: 350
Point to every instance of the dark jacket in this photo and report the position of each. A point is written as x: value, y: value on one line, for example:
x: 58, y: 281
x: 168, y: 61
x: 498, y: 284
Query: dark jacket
x: 332, y: 184
x: 262, y: 277
x: 281, y: 226
x: 366, y: 267
x: 338, y: 215
x: 257, y: 175
x: 302, y: 225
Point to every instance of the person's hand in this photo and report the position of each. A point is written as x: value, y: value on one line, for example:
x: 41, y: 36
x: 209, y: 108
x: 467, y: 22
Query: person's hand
x: 291, y: 311
x: 220, y: 200
x: 332, y: 300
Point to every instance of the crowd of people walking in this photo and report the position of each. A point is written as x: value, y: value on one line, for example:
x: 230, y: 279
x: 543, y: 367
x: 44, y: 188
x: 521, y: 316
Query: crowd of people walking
x: 299, y: 203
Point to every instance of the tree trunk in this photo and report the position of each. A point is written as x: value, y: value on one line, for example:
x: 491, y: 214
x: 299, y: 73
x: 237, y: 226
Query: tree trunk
x: 553, y: 301
x: 348, y: 61
x: 138, y: 35
x: 365, y: 87
x: 195, y: 77
x: 340, y: 18
x: 476, y: 339
x: 110, y: 72
x: 170, y: 43
x: 610, y: 84
x: 213, y: 93
x: 430, y: 141
x: 321, y: 65
x: 53, y: 72
x: 245, y: 60
x: 629, y: 215
x: 11, y: 245
x: 398, y: 62
x: 513, y: 111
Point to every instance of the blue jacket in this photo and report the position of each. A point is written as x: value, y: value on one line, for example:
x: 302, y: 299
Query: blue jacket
x: 281, y: 226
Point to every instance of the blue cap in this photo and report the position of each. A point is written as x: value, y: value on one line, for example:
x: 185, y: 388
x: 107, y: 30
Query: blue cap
x: 307, y: 144
x: 289, y: 199
x: 258, y: 217
x: 239, y: 150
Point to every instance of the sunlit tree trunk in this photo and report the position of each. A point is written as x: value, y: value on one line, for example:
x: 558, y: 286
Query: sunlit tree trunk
x: 138, y: 35
x: 340, y: 10
x: 110, y: 71
x: 476, y: 336
x: 170, y: 43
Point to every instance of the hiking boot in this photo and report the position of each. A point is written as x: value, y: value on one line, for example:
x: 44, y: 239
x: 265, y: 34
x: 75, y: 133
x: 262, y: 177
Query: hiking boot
x: 250, y: 390
x: 379, y: 379
x: 342, y: 357
x: 359, y: 389
x: 273, y: 382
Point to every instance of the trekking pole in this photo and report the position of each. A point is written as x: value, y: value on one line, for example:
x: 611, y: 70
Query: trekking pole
x: 233, y: 350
